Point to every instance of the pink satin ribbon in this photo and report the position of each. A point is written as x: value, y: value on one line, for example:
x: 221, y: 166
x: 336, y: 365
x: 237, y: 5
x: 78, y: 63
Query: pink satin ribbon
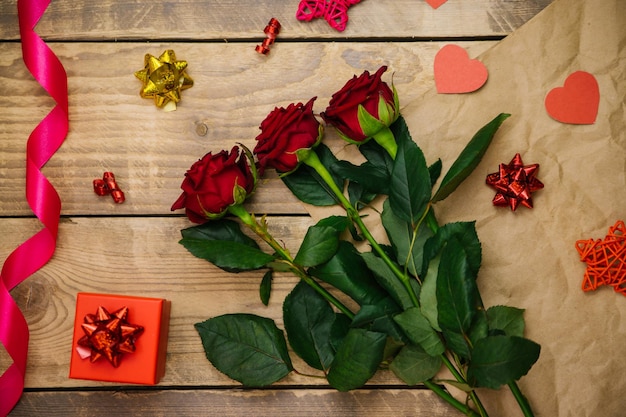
x: 43, y: 199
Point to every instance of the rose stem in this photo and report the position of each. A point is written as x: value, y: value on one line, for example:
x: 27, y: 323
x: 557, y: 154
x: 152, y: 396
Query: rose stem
x: 521, y: 399
x: 262, y: 232
x: 311, y: 159
x: 450, y: 399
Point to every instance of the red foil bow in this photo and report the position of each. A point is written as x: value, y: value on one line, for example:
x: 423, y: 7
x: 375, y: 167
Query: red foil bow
x: 514, y: 183
x: 606, y: 259
x: 108, y: 335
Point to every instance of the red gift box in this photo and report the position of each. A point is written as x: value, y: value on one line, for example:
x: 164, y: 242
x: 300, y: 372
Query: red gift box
x: 146, y: 365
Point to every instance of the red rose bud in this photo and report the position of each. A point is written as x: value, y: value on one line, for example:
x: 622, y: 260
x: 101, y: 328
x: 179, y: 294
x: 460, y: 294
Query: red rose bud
x: 363, y: 107
x: 216, y: 182
x: 284, y: 132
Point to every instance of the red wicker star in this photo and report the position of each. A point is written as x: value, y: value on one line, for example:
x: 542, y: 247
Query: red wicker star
x: 334, y: 11
x: 514, y: 183
x: 606, y: 259
x: 109, y: 335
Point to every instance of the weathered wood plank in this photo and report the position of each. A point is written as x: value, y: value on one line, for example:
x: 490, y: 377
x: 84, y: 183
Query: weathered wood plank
x: 245, y: 19
x: 140, y: 256
x: 234, y: 402
x: 112, y: 128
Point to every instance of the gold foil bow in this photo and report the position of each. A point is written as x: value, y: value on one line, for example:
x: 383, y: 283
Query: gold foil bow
x: 163, y: 79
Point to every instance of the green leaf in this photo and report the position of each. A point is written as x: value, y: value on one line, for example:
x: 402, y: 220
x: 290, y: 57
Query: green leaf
x: 379, y: 318
x: 462, y: 343
x: 413, y: 365
x: 392, y: 348
x: 418, y: 330
x: 378, y: 157
x: 339, y: 223
x: 308, y: 186
x: 308, y: 320
x: 499, y: 360
x: 410, y: 183
x: 319, y: 245
x: 223, y: 229
x: 265, y: 289
x: 357, y: 359
x: 409, y: 251
x: 347, y: 272
x: 456, y: 384
x: 248, y: 348
x: 457, y: 343
x: 372, y: 177
x: 400, y: 131
x: 370, y: 312
x: 388, y: 280
x: 339, y: 330
x: 230, y: 256
x: 435, y: 171
x: 458, y: 299
x: 509, y: 320
x: 359, y: 197
x: 428, y: 294
x: 469, y: 158
x: 465, y: 232
x: 386, y: 325
x: 480, y: 328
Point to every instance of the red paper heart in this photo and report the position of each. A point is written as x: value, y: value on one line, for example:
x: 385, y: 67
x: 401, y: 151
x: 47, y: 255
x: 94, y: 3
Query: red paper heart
x: 435, y: 3
x: 455, y: 72
x: 577, y: 101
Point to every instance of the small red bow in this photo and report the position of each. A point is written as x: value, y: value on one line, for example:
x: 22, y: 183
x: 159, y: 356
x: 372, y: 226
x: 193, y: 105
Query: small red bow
x: 108, y: 185
x: 514, y: 183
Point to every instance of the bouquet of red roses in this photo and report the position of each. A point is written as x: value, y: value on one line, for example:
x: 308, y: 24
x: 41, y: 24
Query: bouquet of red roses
x: 419, y: 307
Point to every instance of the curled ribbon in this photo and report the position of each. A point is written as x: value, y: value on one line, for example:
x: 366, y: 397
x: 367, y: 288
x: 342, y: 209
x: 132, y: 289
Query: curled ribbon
x: 43, y: 199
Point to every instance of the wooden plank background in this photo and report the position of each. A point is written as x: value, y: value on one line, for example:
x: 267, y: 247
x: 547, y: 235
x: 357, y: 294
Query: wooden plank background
x: 132, y: 248
x: 220, y: 20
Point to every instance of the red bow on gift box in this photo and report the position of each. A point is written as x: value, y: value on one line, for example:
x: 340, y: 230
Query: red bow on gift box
x: 108, y: 335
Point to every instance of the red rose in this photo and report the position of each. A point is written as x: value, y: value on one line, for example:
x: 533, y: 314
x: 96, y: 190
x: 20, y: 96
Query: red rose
x: 285, y: 131
x: 214, y: 183
x: 369, y: 93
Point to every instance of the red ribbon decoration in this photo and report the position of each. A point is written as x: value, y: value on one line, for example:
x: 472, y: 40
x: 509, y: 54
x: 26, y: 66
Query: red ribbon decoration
x: 514, y: 183
x: 43, y: 199
x: 109, y: 335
